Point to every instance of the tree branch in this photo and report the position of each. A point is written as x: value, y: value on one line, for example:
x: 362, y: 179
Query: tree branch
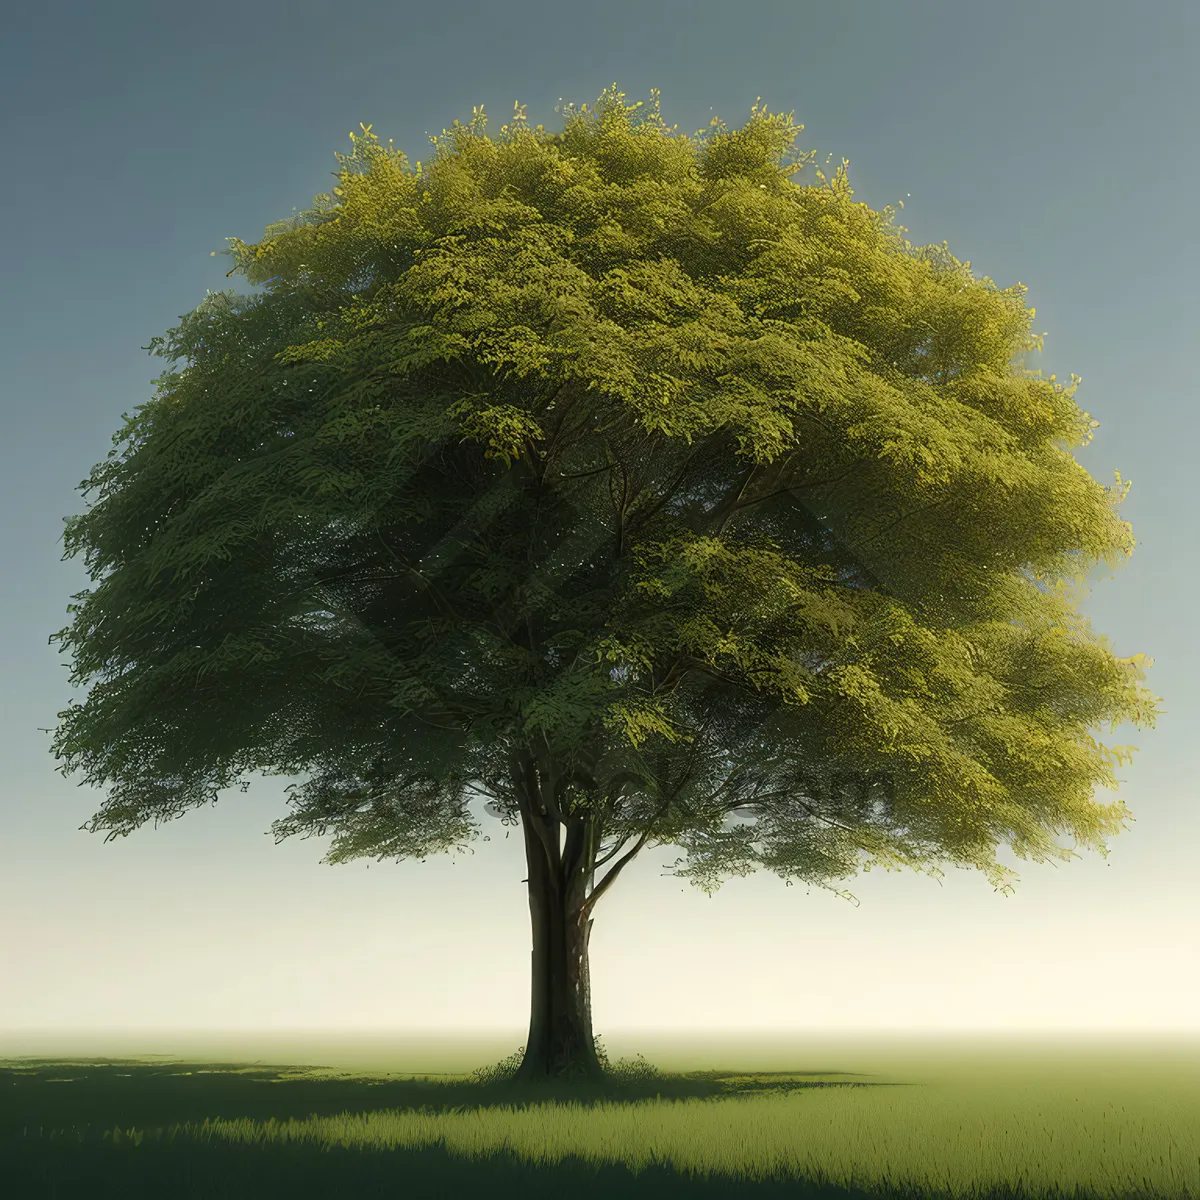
x: 608, y: 856
x: 796, y: 487
x: 641, y: 516
x: 585, y: 474
x: 757, y: 799
x: 440, y: 599
x: 549, y: 454
x: 606, y: 882
x: 721, y: 515
x: 903, y: 517
x: 688, y: 663
x: 672, y: 793
x: 522, y: 774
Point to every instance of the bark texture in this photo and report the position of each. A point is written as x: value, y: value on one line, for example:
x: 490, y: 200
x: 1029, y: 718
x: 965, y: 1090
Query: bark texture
x: 560, y: 1045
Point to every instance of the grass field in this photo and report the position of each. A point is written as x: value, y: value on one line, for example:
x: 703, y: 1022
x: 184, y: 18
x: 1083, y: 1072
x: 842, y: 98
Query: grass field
x: 133, y: 1128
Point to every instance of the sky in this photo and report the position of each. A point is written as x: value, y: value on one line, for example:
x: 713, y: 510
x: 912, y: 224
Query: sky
x: 1051, y: 145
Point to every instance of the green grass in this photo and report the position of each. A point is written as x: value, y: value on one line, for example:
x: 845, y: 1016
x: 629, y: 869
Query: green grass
x: 213, y: 1130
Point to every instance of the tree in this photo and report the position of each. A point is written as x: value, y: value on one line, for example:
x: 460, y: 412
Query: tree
x: 631, y: 486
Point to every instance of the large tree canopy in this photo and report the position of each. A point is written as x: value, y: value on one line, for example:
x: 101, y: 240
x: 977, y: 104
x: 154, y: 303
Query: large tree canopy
x: 620, y: 478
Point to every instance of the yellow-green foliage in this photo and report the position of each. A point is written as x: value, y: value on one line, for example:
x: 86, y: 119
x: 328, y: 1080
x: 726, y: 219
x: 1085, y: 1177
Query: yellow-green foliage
x: 625, y: 476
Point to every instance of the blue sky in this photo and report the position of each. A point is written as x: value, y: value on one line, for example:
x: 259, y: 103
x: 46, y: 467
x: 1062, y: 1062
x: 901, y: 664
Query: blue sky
x: 1047, y: 144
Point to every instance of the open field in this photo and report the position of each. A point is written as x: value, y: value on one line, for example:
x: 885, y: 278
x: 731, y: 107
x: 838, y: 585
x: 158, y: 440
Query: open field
x: 1123, y: 1128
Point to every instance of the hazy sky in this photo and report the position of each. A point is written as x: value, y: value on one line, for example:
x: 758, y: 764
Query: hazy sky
x: 1051, y: 144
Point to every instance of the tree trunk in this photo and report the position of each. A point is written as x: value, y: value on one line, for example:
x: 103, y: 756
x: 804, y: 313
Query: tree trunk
x: 559, y: 1045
